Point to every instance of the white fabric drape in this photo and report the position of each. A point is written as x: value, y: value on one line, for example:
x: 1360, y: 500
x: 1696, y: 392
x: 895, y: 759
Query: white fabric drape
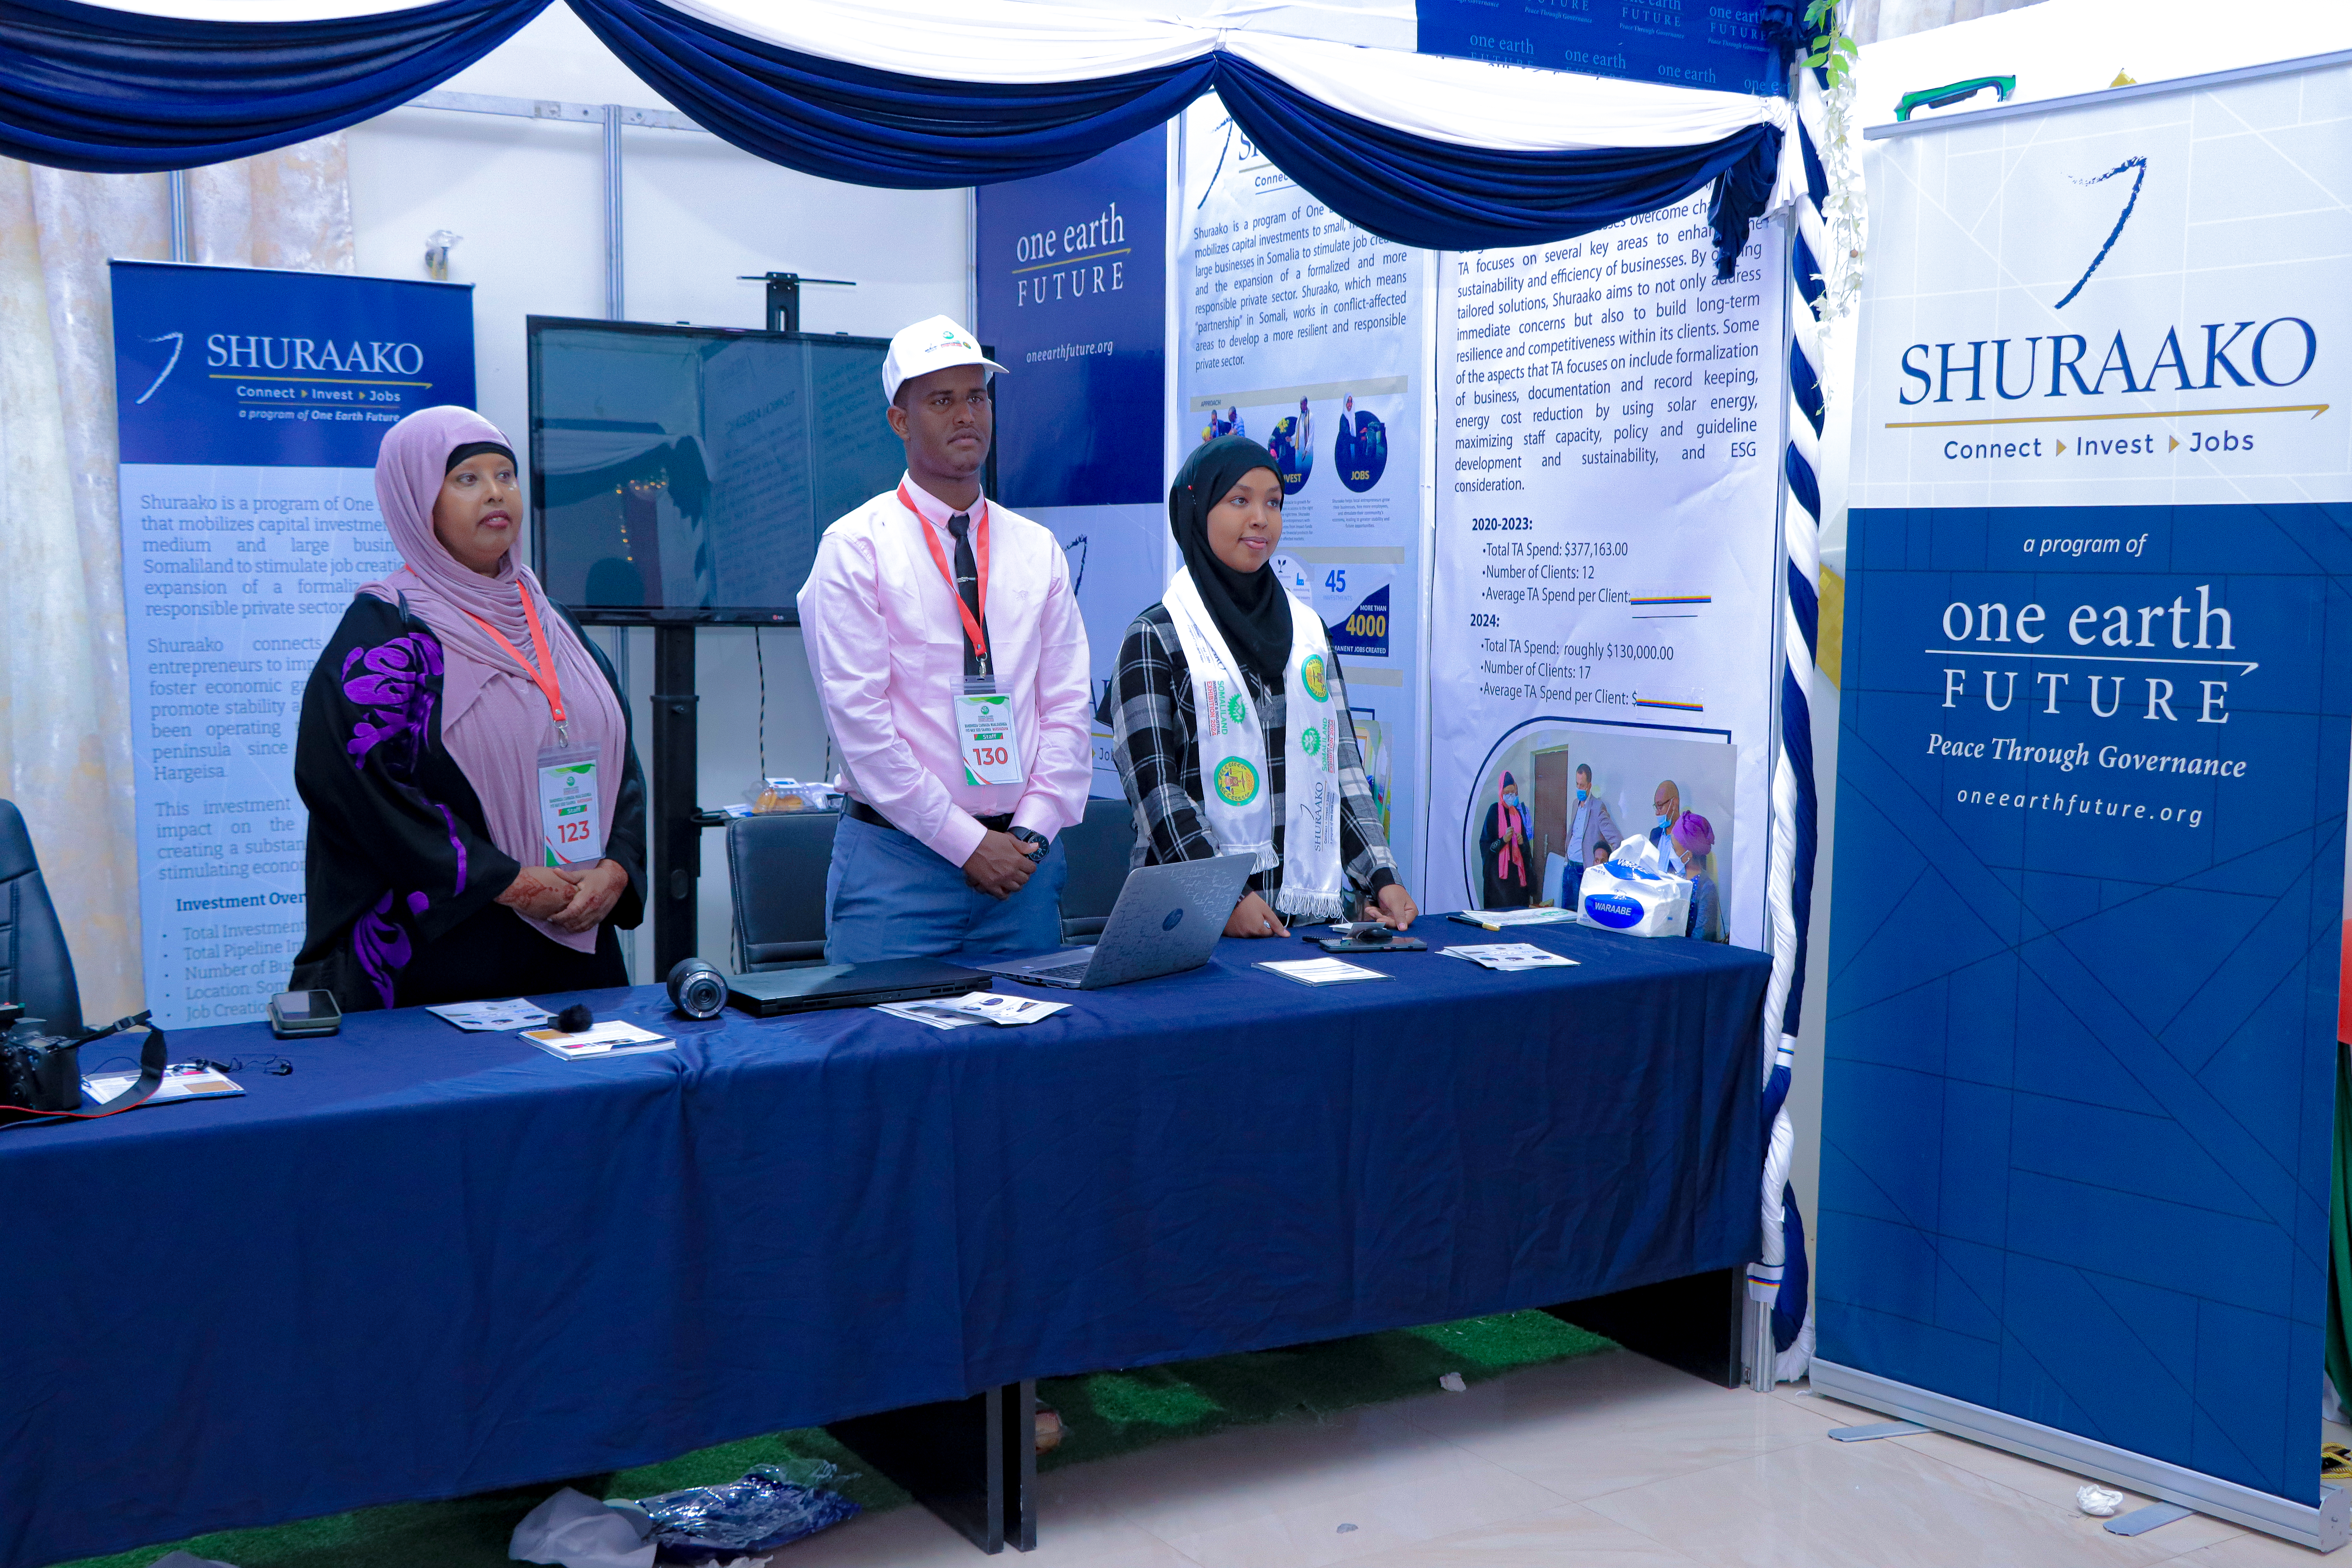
x: 65, y: 734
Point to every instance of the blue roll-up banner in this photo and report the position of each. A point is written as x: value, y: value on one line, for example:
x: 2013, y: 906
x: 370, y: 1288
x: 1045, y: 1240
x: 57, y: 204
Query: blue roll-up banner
x: 250, y: 404
x: 2089, y: 853
x: 1074, y: 302
x: 1715, y: 46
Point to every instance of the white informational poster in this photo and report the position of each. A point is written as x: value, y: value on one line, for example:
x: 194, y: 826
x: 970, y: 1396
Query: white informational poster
x: 1607, y: 562
x: 1305, y: 334
x: 251, y: 406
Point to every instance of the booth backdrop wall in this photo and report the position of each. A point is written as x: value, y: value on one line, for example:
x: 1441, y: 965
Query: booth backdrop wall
x: 65, y: 748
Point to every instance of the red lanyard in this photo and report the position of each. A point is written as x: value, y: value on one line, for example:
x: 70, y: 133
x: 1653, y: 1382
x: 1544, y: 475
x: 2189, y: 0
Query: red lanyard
x: 542, y: 673
x: 971, y: 624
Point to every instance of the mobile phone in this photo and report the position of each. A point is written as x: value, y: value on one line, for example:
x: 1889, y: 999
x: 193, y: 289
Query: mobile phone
x: 296, y: 1013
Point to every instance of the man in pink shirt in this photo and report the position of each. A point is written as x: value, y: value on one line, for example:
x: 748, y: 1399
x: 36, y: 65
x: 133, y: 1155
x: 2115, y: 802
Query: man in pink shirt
x: 952, y: 663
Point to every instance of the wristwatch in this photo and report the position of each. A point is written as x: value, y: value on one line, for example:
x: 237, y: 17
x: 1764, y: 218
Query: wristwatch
x: 1030, y: 836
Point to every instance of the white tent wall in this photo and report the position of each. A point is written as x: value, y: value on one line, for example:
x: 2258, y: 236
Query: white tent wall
x: 528, y: 196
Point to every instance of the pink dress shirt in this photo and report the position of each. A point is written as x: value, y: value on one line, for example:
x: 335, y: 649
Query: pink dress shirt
x: 885, y: 644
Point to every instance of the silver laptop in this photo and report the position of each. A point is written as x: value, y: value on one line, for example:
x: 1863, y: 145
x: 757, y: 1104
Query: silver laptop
x: 1168, y: 920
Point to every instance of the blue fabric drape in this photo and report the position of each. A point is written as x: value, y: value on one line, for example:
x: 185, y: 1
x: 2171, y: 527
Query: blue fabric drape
x: 875, y: 128
x: 865, y: 127
x: 116, y: 92
x: 1444, y: 196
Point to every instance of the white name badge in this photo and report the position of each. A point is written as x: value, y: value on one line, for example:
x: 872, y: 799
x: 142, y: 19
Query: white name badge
x: 989, y: 738
x: 571, y: 821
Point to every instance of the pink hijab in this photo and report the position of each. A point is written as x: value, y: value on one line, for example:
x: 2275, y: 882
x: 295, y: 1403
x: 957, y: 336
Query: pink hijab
x: 1510, y: 823
x: 494, y: 718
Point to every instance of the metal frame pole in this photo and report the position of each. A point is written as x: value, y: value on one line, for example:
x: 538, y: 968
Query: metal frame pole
x: 613, y: 294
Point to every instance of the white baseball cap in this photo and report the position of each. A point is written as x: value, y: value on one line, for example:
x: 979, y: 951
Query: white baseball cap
x: 928, y: 345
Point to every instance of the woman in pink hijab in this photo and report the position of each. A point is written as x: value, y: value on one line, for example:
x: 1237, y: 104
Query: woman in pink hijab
x: 478, y: 819
x: 1504, y: 851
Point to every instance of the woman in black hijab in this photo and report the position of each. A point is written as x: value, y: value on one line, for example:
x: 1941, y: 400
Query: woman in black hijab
x: 1226, y: 510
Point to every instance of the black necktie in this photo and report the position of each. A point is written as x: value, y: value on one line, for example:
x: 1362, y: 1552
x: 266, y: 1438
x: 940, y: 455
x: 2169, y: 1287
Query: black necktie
x: 967, y: 576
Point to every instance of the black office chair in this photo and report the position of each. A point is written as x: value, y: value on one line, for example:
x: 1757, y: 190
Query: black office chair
x: 34, y: 967
x: 776, y: 864
x: 1098, y: 850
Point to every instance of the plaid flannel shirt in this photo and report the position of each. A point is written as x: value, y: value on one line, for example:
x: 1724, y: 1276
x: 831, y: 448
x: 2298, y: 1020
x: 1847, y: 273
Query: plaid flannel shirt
x: 1154, y: 740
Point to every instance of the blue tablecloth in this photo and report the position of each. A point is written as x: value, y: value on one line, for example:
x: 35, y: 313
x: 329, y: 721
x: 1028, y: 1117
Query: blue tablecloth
x: 430, y: 1263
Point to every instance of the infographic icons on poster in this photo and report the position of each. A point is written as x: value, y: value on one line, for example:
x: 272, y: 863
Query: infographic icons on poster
x: 1365, y: 628
x: 1359, y: 436
x: 1360, y: 448
x: 1352, y: 601
x: 1291, y: 442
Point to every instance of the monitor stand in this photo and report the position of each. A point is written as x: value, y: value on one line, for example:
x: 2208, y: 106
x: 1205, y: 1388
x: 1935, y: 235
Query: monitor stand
x: 678, y: 821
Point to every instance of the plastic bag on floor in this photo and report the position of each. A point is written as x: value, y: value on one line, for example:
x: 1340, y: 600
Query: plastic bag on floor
x: 577, y: 1532
x: 763, y: 1511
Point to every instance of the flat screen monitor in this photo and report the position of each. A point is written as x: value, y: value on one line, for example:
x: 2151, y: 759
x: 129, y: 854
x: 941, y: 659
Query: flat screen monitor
x: 686, y: 473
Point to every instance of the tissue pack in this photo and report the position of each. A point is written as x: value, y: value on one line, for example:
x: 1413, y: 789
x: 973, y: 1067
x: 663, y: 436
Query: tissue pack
x: 1631, y: 894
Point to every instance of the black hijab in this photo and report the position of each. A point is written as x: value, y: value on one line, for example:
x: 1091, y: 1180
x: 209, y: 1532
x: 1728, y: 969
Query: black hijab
x: 1250, y: 608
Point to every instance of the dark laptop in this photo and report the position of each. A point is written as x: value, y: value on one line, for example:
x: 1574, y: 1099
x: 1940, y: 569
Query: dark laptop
x: 777, y: 991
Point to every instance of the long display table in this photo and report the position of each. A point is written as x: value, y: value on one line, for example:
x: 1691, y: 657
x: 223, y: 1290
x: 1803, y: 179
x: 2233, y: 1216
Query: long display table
x: 427, y: 1263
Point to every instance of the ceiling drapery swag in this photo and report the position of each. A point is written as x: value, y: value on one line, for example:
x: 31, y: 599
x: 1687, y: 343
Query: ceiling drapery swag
x: 1425, y: 150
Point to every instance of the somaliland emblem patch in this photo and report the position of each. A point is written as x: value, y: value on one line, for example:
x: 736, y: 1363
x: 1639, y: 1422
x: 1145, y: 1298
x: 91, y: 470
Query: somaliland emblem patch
x: 1236, y: 782
x: 1311, y: 672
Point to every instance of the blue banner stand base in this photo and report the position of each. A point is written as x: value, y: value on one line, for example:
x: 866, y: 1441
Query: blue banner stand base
x: 1880, y: 1429
x: 2140, y: 1521
x: 2324, y: 1527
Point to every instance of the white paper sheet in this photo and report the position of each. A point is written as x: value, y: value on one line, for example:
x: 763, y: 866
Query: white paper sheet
x: 516, y: 1013
x: 1322, y: 971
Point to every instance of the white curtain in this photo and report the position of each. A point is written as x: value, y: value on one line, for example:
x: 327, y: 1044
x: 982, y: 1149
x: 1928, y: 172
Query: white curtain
x: 65, y: 732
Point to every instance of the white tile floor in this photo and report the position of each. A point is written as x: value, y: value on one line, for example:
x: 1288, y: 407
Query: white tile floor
x: 1612, y: 1461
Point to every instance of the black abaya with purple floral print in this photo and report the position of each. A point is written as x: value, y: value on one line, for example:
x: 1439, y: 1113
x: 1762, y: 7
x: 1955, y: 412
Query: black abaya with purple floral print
x: 403, y: 879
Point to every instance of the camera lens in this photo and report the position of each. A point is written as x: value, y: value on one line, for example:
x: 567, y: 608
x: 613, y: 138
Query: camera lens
x: 697, y: 988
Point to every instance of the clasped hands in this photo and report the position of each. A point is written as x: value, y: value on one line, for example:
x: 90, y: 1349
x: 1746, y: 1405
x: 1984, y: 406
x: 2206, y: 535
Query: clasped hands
x: 569, y: 898
x: 1252, y: 916
x: 1000, y: 867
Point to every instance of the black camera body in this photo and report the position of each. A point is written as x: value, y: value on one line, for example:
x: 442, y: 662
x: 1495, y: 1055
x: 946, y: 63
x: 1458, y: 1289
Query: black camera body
x: 37, y: 1071
x: 40, y: 1073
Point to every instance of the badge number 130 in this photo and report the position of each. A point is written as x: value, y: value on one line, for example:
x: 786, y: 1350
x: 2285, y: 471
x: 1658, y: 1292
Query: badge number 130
x: 991, y: 744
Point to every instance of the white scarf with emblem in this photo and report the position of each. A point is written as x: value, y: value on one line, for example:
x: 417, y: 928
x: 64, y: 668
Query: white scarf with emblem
x: 1231, y: 755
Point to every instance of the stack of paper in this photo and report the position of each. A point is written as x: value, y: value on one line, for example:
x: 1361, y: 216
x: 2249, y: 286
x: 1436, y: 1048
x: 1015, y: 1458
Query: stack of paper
x: 973, y: 1007
x: 1504, y: 920
x: 1322, y: 971
x: 608, y: 1039
x: 516, y: 1014
x: 1509, y: 956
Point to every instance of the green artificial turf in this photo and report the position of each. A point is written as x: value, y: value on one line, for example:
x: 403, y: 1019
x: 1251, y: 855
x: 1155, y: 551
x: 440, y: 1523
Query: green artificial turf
x: 1110, y: 1413
x: 1104, y: 1414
